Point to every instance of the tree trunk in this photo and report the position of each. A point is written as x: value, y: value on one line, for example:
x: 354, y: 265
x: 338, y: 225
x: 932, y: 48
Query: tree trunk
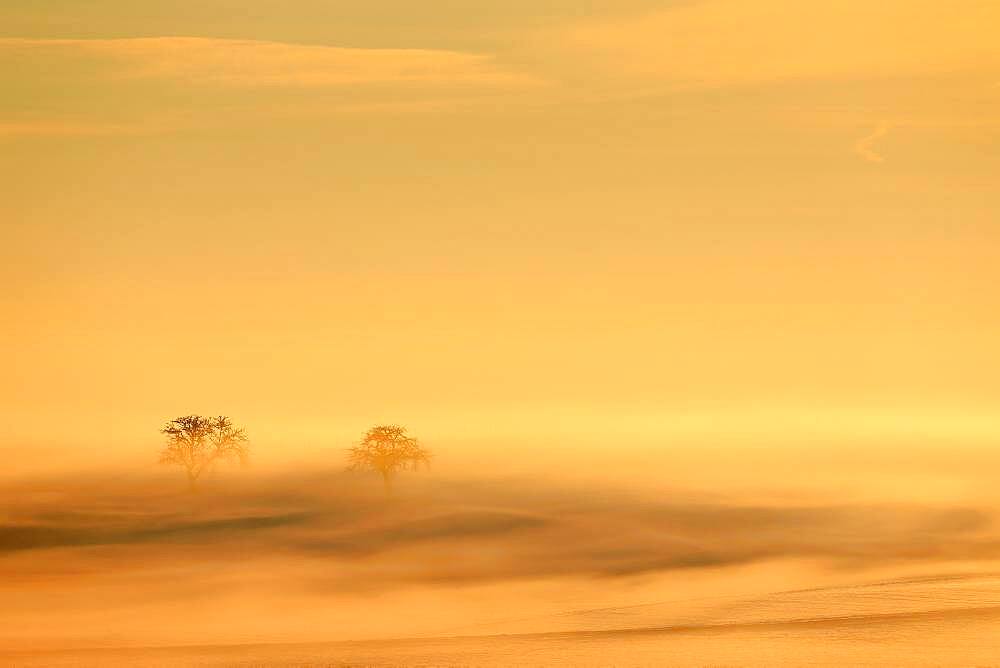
x: 192, y: 483
x: 387, y: 482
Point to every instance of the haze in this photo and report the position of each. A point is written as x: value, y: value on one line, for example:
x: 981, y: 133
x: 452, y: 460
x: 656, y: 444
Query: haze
x: 736, y: 256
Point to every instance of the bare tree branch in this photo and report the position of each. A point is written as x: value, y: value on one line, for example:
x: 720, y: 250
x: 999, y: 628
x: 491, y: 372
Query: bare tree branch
x: 386, y: 449
x: 196, y: 443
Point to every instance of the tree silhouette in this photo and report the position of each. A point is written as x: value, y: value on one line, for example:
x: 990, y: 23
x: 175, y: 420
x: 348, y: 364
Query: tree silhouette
x: 197, y: 443
x: 387, y: 449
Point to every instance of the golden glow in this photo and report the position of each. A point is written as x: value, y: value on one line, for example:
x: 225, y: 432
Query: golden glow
x: 724, y: 246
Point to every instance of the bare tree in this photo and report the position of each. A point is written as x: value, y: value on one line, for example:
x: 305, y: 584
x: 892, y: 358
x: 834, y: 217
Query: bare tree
x: 387, y: 449
x: 197, y: 443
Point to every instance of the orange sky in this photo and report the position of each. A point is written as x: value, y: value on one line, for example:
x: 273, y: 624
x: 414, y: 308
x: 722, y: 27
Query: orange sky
x: 512, y: 220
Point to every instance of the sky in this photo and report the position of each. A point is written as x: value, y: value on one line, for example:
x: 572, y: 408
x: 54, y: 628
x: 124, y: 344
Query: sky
x: 586, y: 224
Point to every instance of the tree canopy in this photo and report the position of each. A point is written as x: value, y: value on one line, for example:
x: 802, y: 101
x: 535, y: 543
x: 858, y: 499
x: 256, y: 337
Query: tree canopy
x: 197, y: 443
x: 387, y: 449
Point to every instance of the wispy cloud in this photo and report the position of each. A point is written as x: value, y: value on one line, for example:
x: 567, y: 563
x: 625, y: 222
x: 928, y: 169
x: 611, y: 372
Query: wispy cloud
x: 57, y: 128
x: 108, y: 87
x: 234, y: 62
x: 865, y: 147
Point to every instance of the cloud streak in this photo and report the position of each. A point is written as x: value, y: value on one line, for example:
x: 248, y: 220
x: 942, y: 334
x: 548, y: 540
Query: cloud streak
x: 865, y: 147
x: 129, y: 86
x: 56, y: 128
x: 254, y: 63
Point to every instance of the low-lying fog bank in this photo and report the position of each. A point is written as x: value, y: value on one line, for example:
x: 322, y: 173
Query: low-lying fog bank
x: 328, y: 556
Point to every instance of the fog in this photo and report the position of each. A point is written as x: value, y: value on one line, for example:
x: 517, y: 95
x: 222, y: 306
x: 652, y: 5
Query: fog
x: 132, y: 560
